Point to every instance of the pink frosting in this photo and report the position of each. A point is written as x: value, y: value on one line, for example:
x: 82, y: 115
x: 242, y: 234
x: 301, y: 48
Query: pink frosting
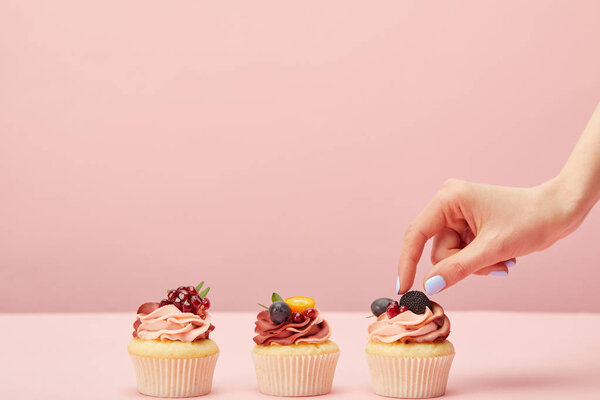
x: 410, y: 327
x: 168, y: 323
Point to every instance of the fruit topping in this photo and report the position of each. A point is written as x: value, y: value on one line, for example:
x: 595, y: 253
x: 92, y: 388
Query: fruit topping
x: 300, y: 303
x: 279, y: 312
x: 298, y: 318
x: 380, y: 305
x: 415, y: 301
x: 393, y: 309
x: 187, y: 299
x: 310, y: 313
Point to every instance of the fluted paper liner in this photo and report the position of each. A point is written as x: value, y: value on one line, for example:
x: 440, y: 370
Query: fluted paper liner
x: 177, y: 377
x: 309, y: 375
x: 415, y: 378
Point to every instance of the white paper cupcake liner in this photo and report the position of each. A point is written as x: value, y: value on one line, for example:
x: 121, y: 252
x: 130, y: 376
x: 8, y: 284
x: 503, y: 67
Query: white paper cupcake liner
x: 295, y: 375
x: 166, y: 377
x: 415, y: 378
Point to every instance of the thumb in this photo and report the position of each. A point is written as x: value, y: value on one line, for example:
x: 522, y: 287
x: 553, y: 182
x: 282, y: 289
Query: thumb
x: 458, y: 266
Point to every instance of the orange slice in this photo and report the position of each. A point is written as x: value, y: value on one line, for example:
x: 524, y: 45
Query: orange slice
x: 300, y: 303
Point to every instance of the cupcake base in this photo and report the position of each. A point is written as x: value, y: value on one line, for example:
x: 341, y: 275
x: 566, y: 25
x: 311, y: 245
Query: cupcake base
x: 172, y: 377
x: 413, y: 378
x: 299, y: 371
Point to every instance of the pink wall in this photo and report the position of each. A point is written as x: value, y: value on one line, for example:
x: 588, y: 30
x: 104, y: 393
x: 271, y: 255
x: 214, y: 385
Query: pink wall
x: 269, y: 146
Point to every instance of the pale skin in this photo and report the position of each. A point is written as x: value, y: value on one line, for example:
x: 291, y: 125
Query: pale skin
x: 476, y: 227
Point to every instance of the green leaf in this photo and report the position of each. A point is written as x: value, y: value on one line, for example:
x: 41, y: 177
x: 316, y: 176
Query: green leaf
x: 204, y: 292
x: 200, y: 286
x: 263, y: 306
x: 275, y: 297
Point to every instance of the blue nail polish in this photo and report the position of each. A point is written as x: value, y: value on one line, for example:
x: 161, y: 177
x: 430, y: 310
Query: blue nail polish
x: 435, y: 284
x: 499, y: 273
x: 397, y: 284
x: 509, y: 263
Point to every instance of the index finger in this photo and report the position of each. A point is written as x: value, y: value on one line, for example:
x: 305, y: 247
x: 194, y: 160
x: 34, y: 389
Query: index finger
x: 429, y: 222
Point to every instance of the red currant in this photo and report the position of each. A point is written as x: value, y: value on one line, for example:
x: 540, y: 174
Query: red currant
x: 310, y: 313
x: 297, y: 318
x: 393, y: 309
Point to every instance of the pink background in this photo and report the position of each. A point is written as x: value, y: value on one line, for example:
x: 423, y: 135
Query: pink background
x: 268, y: 146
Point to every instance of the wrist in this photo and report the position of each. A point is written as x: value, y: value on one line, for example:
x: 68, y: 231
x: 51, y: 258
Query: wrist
x: 572, y: 200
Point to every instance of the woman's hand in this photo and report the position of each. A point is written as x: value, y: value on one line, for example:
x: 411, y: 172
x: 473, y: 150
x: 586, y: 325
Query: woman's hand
x: 476, y: 228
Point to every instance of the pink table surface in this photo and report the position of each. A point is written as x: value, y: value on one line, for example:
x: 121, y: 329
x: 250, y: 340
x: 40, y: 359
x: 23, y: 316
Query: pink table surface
x: 499, y: 355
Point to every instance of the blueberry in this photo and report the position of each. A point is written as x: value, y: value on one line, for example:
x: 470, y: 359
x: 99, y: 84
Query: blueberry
x: 380, y: 305
x: 279, y: 312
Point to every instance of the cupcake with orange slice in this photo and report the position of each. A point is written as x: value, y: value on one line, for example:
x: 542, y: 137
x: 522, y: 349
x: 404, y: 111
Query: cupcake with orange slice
x: 293, y: 355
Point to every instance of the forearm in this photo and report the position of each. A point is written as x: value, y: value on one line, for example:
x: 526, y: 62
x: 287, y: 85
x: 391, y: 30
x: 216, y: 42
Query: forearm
x: 579, y: 180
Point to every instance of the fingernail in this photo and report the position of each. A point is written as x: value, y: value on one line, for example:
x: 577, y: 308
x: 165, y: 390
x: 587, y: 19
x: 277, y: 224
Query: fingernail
x: 509, y: 263
x: 499, y: 273
x: 398, y: 284
x: 435, y: 284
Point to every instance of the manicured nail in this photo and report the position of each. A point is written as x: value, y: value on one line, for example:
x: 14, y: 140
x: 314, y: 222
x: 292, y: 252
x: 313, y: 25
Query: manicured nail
x: 398, y: 284
x: 509, y: 263
x: 435, y: 284
x: 499, y: 273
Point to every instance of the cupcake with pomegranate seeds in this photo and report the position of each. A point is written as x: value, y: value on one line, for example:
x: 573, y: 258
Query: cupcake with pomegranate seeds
x: 171, y: 351
x: 408, y: 353
x: 293, y: 355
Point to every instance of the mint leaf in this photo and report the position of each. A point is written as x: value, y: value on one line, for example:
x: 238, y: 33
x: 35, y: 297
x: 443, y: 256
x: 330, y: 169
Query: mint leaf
x: 204, y: 292
x: 199, y: 286
x: 275, y: 297
x: 263, y: 306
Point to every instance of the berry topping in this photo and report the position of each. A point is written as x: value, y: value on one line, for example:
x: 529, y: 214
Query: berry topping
x: 403, y: 309
x: 298, y: 318
x: 164, y: 302
x: 380, y: 305
x: 187, y: 299
x: 310, y: 313
x: 415, y: 301
x: 393, y: 309
x: 205, y: 304
x: 279, y: 312
x: 300, y: 303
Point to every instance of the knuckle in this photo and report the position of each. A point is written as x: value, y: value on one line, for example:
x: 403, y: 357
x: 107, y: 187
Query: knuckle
x: 460, y: 271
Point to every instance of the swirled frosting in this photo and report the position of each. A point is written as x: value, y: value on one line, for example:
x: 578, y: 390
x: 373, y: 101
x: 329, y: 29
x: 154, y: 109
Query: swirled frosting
x: 315, y: 330
x: 408, y: 327
x: 169, y: 323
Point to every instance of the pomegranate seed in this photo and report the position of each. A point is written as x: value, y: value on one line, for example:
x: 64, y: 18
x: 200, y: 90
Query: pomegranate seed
x: 192, y: 290
x: 402, y: 309
x: 164, y: 302
x: 393, y: 309
x: 297, y: 318
x: 180, y: 288
x: 183, y: 295
x: 172, y: 294
x: 177, y: 303
x: 195, y: 301
x: 310, y: 313
x: 187, y: 307
x: 205, y: 303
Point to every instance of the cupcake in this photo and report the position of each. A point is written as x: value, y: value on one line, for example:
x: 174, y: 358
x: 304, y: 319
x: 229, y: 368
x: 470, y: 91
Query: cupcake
x: 171, y: 352
x: 408, y: 353
x: 293, y: 355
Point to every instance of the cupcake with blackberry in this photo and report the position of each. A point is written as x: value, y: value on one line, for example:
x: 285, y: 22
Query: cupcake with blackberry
x: 171, y: 352
x: 293, y: 355
x: 408, y: 353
